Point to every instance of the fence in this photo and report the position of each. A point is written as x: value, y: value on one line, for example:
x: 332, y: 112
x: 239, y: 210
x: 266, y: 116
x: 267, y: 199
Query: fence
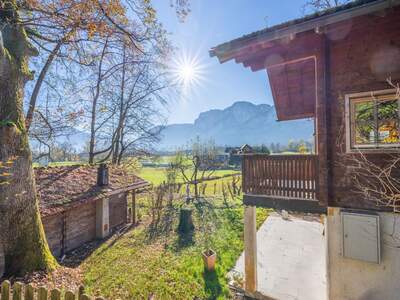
x: 20, y: 291
x: 289, y: 176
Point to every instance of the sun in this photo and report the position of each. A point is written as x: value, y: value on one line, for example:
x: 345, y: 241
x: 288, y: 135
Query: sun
x: 187, y: 71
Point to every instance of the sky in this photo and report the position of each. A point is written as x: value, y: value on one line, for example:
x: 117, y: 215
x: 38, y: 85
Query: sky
x: 210, y: 23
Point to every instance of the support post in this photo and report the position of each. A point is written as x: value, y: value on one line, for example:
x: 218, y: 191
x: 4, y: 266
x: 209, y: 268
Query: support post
x: 322, y: 122
x: 102, y: 218
x: 250, y: 249
x: 133, y: 207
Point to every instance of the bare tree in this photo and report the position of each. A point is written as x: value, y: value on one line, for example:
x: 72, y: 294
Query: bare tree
x: 129, y: 98
x: 197, y: 164
x: 320, y: 5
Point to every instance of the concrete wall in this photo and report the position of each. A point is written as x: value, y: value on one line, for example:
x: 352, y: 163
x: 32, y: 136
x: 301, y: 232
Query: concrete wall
x: 352, y: 279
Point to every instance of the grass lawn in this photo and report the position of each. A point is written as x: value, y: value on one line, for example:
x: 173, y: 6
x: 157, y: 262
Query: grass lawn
x: 158, y: 175
x: 151, y: 260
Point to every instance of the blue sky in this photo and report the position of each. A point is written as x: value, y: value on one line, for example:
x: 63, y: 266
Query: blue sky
x: 212, y: 22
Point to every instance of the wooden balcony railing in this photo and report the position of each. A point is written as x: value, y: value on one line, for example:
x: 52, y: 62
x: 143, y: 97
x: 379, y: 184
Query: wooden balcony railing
x: 280, y: 176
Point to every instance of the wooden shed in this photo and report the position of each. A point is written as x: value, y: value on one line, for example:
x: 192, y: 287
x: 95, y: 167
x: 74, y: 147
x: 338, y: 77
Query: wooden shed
x: 76, y: 209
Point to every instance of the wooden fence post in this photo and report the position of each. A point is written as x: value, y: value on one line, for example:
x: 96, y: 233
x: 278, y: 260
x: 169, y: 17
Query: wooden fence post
x: 80, y: 292
x: 69, y: 295
x: 17, y: 291
x: 42, y: 293
x: 5, y: 290
x: 55, y: 294
x: 29, y: 292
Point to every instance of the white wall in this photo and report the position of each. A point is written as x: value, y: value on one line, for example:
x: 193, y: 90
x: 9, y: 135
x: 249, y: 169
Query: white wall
x: 353, y: 279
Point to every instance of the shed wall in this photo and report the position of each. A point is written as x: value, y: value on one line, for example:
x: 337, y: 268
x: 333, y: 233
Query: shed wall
x: 53, y: 228
x: 80, y: 224
x: 118, y: 210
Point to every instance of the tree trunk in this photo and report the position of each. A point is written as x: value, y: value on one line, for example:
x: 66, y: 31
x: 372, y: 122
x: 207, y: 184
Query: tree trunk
x: 21, y: 231
x: 185, y: 225
x: 38, y: 85
x: 121, y: 111
x: 96, y: 96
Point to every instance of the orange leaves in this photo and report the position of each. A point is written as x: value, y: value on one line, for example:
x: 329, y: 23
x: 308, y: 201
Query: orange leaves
x: 81, y: 16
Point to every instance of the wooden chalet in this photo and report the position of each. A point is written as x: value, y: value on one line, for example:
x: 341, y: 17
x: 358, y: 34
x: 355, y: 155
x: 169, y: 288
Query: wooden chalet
x: 332, y: 66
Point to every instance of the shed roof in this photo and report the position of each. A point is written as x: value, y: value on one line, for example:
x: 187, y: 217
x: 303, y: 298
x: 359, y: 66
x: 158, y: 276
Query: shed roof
x: 61, y: 188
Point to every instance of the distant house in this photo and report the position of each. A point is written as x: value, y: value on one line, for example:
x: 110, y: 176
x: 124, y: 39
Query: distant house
x: 222, y: 159
x: 81, y: 203
x: 246, y: 149
x: 331, y: 66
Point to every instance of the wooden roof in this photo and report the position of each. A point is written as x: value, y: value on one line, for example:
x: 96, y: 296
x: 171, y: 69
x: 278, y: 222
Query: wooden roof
x: 61, y: 188
x: 289, y: 52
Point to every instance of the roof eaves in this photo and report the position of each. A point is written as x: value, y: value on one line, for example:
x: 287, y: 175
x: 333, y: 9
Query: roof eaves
x: 319, y: 19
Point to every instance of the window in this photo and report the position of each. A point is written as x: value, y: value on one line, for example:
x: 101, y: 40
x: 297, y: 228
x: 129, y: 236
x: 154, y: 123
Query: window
x: 373, y: 120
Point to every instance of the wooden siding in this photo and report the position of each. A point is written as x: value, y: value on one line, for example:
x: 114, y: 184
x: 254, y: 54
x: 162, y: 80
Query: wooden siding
x: 118, y: 210
x: 53, y: 228
x: 352, y: 56
x: 80, y: 226
x: 293, y: 87
x: 363, y: 53
x: 281, y: 176
x: 77, y: 226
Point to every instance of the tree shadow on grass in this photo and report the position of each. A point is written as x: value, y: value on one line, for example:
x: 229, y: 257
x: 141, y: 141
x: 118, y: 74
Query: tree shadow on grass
x: 183, y: 241
x: 212, y: 285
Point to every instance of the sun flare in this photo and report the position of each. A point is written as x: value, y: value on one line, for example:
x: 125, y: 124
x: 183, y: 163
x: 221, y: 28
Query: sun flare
x: 187, y: 72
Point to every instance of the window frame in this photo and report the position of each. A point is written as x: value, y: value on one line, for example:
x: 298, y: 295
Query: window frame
x: 350, y: 101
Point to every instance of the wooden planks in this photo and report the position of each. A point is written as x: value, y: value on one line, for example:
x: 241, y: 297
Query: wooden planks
x: 289, y: 176
x: 21, y: 291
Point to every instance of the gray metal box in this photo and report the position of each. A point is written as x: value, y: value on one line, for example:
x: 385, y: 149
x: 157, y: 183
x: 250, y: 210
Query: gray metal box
x: 361, y: 237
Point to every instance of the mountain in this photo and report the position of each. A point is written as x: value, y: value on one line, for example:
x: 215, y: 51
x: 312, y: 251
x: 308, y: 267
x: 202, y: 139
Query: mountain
x: 241, y: 123
x: 78, y: 139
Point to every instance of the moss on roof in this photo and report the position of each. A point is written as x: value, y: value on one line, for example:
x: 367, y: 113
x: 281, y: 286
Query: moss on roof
x: 65, y: 186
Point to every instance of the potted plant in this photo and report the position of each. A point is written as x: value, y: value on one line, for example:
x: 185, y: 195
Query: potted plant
x: 209, y: 259
x: 208, y: 254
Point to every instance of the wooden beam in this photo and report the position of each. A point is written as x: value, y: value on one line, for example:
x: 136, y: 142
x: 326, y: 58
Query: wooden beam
x: 250, y: 249
x: 284, y: 203
x: 321, y: 121
x: 302, y: 47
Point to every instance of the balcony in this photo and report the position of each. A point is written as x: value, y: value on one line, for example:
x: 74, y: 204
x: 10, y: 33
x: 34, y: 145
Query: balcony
x: 281, y: 181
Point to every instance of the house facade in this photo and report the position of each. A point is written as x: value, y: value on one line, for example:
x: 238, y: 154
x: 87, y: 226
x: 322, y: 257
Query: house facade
x: 340, y: 67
